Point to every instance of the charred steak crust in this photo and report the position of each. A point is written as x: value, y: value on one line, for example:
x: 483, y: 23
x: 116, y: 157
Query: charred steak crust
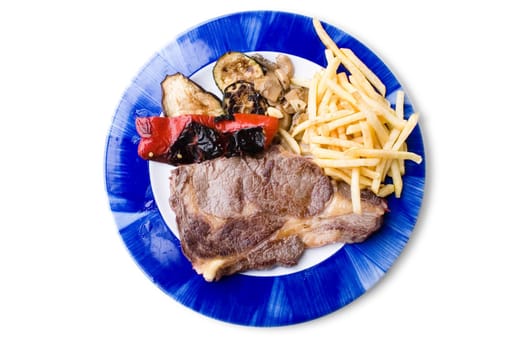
x: 242, y: 213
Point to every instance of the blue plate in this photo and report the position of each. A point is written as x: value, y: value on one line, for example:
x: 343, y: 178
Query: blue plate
x: 245, y: 299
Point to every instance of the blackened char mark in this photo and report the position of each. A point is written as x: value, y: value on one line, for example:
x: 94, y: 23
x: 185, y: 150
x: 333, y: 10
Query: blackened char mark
x: 223, y: 117
x: 242, y: 97
x: 245, y: 141
x: 198, y: 143
x: 209, y: 142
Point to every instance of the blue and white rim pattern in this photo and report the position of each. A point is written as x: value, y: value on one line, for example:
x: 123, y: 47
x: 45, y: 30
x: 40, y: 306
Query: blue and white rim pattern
x: 242, y: 299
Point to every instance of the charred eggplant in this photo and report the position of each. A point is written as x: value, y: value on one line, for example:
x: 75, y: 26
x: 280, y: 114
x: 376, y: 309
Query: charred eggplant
x: 234, y: 66
x: 181, y: 95
x: 241, y: 97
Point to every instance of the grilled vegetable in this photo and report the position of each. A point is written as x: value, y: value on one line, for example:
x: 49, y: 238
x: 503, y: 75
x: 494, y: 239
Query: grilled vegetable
x: 234, y: 66
x: 241, y: 97
x: 195, y: 138
x: 183, y: 96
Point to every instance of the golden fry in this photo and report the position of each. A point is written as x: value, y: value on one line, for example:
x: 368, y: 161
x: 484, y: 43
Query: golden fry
x: 386, y: 190
x: 382, y: 153
x: 355, y: 191
x: 289, y: 140
x: 399, y: 104
x: 346, y: 163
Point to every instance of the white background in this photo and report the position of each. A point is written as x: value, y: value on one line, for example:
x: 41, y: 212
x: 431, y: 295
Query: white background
x: 66, y: 279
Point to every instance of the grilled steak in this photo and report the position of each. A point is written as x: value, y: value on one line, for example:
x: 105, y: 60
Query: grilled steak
x: 242, y: 213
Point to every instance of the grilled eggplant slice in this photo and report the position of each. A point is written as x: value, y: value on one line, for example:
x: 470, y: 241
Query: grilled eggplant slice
x: 181, y: 95
x: 241, y: 97
x: 234, y: 66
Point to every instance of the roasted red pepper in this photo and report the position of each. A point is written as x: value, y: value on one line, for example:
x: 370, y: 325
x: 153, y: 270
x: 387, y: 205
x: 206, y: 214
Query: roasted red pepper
x: 195, y: 138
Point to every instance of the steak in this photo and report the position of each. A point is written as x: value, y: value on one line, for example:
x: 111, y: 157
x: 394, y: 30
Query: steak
x: 256, y: 212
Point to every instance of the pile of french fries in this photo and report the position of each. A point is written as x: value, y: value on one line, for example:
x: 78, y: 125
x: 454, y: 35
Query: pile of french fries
x: 350, y: 129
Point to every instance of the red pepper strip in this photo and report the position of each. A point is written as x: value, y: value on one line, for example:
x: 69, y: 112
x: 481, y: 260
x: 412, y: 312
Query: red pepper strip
x: 158, y: 134
x: 270, y: 125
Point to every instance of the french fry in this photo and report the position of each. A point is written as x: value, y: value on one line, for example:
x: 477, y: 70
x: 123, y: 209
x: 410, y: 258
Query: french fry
x: 312, y: 102
x: 371, y: 174
x: 352, y: 129
x: 322, y: 140
x: 347, y: 61
x: 290, y: 141
x: 383, y: 153
x: 375, y: 81
x: 399, y: 104
x: 328, y: 74
x: 346, y: 163
x: 366, y: 134
x: 397, y: 179
x: 355, y: 191
x: 401, y: 162
x: 320, y: 120
x: 338, y: 174
x: 341, y: 92
x: 345, y: 120
x: 381, y: 131
x: 408, y: 128
x: 386, y: 190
